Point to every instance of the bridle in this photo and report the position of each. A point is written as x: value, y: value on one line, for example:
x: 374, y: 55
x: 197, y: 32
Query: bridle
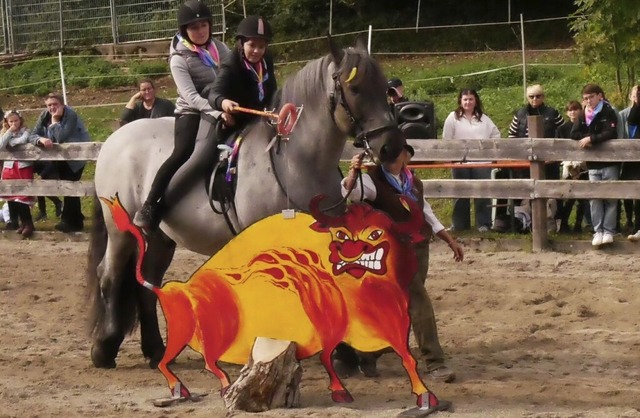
x: 360, y: 135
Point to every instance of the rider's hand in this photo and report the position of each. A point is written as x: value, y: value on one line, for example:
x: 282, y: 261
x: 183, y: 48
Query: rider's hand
x: 228, y: 119
x: 228, y: 105
x: 458, y: 252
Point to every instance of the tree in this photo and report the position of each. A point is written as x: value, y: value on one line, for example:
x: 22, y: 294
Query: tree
x: 606, y: 32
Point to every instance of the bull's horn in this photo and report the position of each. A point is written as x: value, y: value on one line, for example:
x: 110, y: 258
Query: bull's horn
x: 319, y: 215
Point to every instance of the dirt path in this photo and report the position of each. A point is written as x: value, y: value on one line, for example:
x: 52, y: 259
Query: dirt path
x: 530, y: 335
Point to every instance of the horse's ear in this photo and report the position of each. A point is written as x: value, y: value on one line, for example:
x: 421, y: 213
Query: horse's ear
x: 361, y: 43
x: 336, y: 53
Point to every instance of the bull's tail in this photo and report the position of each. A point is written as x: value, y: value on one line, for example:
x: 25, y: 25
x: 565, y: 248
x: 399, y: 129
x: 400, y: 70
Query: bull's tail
x: 123, y: 222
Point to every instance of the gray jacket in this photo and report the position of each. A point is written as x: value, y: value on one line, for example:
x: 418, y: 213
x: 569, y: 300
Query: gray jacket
x: 11, y: 139
x: 69, y: 129
x: 192, y: 76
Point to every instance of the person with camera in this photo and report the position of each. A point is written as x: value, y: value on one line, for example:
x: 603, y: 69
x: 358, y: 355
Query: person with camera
x: 395, y: 93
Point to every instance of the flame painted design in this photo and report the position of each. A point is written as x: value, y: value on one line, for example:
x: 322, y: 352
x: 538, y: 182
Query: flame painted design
x: 256, y: 287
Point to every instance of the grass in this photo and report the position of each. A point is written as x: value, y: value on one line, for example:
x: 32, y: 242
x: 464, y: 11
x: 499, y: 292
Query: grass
x: 501, y: 91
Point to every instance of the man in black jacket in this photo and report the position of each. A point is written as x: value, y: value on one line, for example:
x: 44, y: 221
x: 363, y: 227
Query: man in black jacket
x: 145, y: 104
x: 596, y: 124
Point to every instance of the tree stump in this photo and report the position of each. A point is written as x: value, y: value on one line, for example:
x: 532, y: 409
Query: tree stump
x: 270, y: 380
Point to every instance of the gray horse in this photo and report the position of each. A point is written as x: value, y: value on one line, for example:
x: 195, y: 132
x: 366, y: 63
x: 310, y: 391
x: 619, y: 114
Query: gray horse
x: 343, y: 95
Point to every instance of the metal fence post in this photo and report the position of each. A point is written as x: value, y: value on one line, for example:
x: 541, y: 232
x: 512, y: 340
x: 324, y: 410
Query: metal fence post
x: 114, y: 21
x: 61, y: 23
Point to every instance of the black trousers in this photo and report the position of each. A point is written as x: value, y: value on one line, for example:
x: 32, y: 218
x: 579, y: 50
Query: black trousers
x: 185, y: 133
x: 71, y: 211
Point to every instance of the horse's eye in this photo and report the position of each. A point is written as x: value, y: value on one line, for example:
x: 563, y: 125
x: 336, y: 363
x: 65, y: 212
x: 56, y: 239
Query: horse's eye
x: 354, y: 89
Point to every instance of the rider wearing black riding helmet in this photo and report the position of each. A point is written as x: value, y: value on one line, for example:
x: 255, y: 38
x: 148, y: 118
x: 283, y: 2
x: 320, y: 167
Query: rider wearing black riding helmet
x: 194, y: 61
x: 246, y: 77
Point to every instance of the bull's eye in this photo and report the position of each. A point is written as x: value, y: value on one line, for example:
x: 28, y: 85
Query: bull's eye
x: 375, y: 235
x: 341, y: 235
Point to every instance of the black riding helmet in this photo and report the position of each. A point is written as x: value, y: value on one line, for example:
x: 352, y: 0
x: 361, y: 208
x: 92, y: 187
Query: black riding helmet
x: 193, y: 11
x: 254, y: 27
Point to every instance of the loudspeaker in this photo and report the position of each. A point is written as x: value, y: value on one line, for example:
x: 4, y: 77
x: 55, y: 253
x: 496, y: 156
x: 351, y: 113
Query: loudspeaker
x: 416, y: 119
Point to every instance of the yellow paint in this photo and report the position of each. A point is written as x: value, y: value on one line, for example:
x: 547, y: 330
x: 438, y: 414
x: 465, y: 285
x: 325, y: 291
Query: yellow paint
x: 352, y: 74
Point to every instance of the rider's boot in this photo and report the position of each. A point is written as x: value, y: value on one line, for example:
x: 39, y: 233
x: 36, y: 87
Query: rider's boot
x: 144, y: 216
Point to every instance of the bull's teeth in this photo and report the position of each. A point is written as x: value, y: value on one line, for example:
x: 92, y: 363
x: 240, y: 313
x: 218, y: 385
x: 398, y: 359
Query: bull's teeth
x: 379, y: 254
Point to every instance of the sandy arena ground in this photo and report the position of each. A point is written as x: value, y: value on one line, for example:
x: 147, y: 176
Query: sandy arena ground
x: 529, y: 335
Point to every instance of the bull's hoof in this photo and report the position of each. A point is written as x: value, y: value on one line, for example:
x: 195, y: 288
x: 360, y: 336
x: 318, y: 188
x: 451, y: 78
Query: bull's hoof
x: 341, y: 396
x: 101, y: 360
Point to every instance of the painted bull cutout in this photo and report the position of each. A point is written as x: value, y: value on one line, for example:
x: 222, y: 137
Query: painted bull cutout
x: 314, y: 280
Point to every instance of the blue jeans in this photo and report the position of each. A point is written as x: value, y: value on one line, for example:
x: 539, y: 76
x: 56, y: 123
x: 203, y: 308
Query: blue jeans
x: 462, y: 207
x: 604, y: 211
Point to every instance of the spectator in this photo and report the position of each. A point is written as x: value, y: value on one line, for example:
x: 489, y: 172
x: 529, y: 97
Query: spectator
x: 630, y: 169
x: 382, y: 184
x: 468, y: 121
x: 145, y: 104
x: 633, y: 123
x: 596, y: 124
x: 519, y: 128
x: 15, y: 133
x: 574, y: 171
x: 60, y: 124
x: 395, y: 93
x: 194, y: 63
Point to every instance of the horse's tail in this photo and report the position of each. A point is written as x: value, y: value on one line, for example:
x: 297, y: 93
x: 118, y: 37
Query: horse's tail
x: 127, y: 312
x: 123, y: 222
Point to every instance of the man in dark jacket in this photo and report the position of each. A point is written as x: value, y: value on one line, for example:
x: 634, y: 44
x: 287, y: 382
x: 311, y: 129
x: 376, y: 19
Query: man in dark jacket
x: 145, y: 104
x: 395, y: 93
x: 596, y: 124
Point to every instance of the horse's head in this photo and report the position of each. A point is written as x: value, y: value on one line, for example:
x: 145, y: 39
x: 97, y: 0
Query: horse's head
x: 358, y: 102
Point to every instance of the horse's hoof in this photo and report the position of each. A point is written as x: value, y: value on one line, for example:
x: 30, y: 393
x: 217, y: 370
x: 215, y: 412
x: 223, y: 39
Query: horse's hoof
x: 100, y: 361
x: 341, y: 396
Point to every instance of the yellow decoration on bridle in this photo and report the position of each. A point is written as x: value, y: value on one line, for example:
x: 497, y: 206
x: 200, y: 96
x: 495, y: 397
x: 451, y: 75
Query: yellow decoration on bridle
x: 352, y: 74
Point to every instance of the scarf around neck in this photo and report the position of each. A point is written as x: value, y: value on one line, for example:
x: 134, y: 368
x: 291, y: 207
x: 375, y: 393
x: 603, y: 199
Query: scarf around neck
x: 260, y: 74
x: 405, y: 185
x: 590, y: 114
x: 209, y: 55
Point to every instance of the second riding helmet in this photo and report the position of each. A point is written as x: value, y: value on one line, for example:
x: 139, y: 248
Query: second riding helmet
x: 254, y: 27
x: 192, y: 11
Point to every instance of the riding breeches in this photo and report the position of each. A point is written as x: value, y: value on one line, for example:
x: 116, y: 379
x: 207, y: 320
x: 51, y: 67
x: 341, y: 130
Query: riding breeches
x: 186, y: 131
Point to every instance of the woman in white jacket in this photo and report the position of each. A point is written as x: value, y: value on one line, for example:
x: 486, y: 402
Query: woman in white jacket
x: 468, y: 121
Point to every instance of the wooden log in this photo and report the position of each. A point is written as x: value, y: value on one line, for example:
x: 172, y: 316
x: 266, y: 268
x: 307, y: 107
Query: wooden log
x: 270, y: 380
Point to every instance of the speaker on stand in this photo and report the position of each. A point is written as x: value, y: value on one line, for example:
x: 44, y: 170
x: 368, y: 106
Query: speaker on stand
x: 416, y: 119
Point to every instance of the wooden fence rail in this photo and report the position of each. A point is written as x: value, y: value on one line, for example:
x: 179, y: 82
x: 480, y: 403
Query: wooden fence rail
x: 536, y: 151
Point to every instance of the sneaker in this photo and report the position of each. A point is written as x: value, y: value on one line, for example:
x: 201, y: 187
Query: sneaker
x: 597, y: 239
x: 483, y: 228
x: 442, y: 373
x: 607, y: 238
x: 144, y: 216
x: 634, y: 237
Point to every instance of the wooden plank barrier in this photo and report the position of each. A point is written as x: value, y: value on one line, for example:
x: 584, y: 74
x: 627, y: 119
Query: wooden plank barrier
x: 502, y: 152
